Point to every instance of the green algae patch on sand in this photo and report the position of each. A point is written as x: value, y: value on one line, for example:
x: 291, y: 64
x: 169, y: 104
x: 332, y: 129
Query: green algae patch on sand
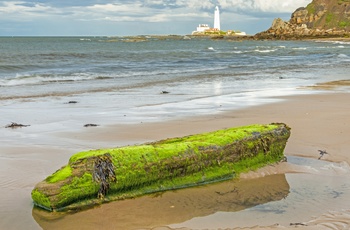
x: 159, y: 166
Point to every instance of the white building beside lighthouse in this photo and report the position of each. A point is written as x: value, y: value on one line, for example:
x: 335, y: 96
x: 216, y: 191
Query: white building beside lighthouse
x: 205, y: 29
x: 217, y: 18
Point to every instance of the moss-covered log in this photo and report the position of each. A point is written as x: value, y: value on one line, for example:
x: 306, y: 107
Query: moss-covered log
x: 99, y: 176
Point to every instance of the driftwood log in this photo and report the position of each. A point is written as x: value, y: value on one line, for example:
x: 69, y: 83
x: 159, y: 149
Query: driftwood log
x: 100, y: 176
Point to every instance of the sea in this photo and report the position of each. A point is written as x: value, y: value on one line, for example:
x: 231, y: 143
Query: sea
x: 60, y: 84
x: 149, y: 78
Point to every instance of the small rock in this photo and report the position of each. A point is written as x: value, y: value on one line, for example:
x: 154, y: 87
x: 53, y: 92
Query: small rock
x: 90, y: 125
x: 297, y: 224
x: 72, y: 102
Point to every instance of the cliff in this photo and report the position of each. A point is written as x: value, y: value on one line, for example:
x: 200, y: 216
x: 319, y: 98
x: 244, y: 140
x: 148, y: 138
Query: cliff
x: 321, y: 18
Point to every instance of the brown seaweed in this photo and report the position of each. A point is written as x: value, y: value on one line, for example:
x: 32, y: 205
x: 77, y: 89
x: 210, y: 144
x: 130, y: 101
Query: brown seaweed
x: 15, y: 125
x: 104, y: 173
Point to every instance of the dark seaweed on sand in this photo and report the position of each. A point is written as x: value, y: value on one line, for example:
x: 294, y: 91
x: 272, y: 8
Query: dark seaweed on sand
x: 14, y: 125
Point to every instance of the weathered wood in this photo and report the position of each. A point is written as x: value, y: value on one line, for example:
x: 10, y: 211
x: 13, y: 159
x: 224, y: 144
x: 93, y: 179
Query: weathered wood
x: 99, y: 176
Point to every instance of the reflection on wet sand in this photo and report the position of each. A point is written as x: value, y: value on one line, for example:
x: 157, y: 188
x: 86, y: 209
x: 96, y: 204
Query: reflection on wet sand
x: 331, y: 85
x: 171, y: 207
x: 316, y: 186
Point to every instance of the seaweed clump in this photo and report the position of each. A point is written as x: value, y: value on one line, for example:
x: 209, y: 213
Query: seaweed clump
x: 104, y: 174
x: 14, y: 125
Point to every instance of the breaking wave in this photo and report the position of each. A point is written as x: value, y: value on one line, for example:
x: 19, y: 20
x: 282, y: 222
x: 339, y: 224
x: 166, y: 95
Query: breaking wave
x: 39, y: 79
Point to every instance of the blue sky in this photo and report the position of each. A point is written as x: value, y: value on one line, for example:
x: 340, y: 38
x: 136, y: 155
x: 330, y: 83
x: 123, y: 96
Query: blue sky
x: 126, y: 17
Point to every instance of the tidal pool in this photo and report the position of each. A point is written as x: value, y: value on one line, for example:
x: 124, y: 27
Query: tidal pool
x: 273, y: 199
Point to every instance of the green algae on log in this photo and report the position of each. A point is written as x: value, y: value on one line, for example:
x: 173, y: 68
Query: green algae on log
x: 99, y: 176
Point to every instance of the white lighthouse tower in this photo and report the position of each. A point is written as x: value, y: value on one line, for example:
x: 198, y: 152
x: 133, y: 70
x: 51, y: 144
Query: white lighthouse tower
x: 217, y: 18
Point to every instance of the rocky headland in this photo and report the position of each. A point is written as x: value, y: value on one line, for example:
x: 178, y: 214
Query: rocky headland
x: 319, y: 19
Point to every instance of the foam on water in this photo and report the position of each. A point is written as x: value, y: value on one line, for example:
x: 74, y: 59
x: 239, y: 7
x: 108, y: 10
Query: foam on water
x: 38, y: 79
x: 344, y: 57
x: 265, y: 51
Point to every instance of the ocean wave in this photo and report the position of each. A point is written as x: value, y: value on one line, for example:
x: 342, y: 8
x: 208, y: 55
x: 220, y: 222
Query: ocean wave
x: 343, y: 56
x: 39, y: 79
x: 335, y: 42
x: 64, y: 56
x: 265, y: 51
x: 13, y: 68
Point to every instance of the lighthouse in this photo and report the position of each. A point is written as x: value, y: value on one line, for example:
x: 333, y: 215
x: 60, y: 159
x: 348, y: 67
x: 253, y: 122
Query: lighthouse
x: 217, y: 18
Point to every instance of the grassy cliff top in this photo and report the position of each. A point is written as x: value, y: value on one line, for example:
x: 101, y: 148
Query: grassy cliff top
x: 325, y: 14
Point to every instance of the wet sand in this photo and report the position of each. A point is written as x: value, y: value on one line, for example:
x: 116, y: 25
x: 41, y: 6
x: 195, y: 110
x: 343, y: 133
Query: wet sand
x: 318, y: 121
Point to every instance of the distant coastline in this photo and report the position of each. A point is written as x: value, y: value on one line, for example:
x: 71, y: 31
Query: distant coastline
x: 145, y: 38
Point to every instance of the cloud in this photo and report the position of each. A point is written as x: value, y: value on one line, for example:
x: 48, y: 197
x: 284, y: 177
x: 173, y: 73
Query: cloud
x: 21, y: 7
x: 26, y: 11
x: 271, y: 6
x: 174, y: 12
x: 141, y: 10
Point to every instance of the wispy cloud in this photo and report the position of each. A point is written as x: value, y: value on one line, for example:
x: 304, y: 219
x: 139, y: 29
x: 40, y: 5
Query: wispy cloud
x: 272, y: 6
x: 29, y: 11
x: 141, y: 10
x: 152, y: 11
x: 20, y: 8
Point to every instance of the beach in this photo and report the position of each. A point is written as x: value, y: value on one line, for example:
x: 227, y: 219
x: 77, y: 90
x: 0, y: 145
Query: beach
x: 75, y: 94
x: 317, y: 121
x: 320, y: 119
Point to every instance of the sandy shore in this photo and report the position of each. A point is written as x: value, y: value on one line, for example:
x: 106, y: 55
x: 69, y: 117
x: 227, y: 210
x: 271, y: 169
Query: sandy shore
x: 318, y: 122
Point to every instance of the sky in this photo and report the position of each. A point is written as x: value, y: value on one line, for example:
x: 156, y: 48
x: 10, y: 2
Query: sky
x: 127, y: 17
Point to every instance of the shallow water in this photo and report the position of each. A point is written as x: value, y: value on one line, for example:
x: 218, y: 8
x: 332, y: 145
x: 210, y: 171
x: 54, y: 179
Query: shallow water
x: 274, y: 199
x: 176, y: 206
x: 121, y: 83
x: 326, y: 188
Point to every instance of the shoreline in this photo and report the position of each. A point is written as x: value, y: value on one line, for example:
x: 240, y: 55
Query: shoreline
x: 318, y: 121
x: 303, y: 113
